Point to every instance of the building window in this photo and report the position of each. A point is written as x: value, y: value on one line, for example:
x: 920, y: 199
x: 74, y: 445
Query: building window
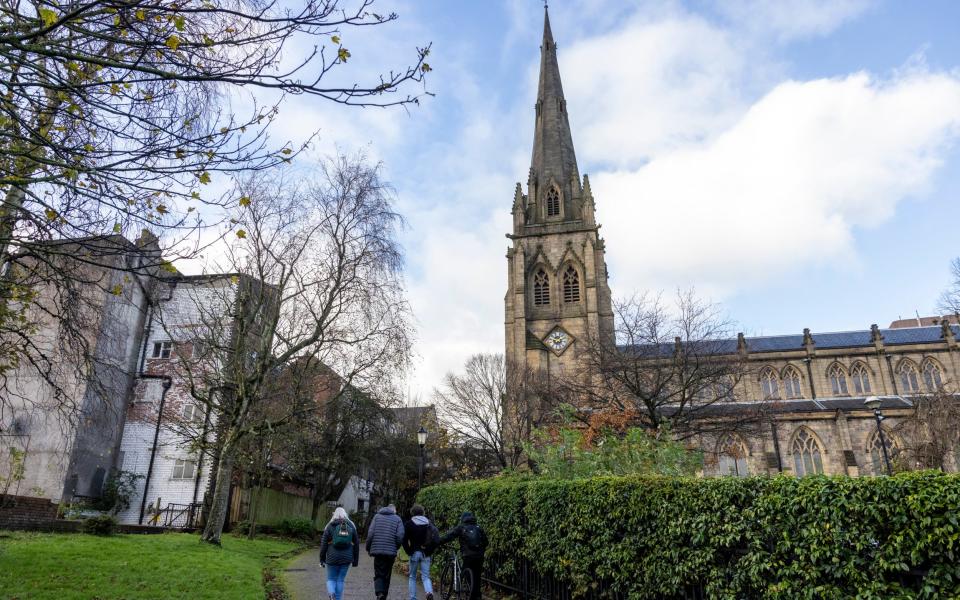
x: 732, y: 456
x: 838, y: 380
x: 861, y: 379
x: 571, y: 285
x: 791, y: 383
x: 184, y: 469
x: 162, y: 349
x: 192, y: 413
x: 909, y: 380
x: 541, y: 289
x: 932, y: 377
x: 807, y: 454
x: 553, y: 202
x: 875, y: 451
x: 769, y: 384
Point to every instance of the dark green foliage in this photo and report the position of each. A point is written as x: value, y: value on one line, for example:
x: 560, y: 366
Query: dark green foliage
x: 100, y: 525
x: 758, y: 537
x: 296, y: 528
x: 117, y: 491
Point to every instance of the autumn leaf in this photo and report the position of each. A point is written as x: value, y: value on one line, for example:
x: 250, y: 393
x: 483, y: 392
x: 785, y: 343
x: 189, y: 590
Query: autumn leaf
x: 48, y: 16
x: 286, y: 151
x: 173, y: 42
x: 234, y: 279
x: 117, y: 290
x: 141, y: 15
x: 204, y: 178
x: 50, y: 213
x: 425, y: 68
x: 241, y: 234
x: 335, y: 39
x: 245, y: 201
x: 343, y: 54
x: 179, y: 22
x: 116, y: 227
x: 162, y: 209
x: 168, y: 267
x: 180, y: 153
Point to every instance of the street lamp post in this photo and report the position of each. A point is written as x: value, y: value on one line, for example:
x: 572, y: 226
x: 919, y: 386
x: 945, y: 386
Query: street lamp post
x: 421, y: 441
x: 873, y: 403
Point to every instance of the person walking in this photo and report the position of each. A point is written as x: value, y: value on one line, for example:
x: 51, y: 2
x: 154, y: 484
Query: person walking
x: 384, y: 538
x: 339, y: 548
x: 420, y: 539
x: 473, y: 545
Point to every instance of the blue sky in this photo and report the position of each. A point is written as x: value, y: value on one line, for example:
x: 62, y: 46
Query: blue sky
x: 795, y: 161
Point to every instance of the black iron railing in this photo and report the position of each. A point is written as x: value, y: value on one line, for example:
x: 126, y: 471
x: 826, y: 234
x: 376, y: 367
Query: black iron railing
x: 180, y: 516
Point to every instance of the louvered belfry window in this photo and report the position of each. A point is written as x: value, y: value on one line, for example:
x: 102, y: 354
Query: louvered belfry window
x: 571, y: 285
x: 541, y: 289
x: 553, y: 202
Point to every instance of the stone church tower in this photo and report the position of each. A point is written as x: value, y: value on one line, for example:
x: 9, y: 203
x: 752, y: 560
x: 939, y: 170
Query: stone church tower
x: 557, y: 292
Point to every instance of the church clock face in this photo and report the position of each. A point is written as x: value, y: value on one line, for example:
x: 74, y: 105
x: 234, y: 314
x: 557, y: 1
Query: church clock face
x: 558, y: 340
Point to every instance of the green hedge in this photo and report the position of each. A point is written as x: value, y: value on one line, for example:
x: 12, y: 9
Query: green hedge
x: 758, y: 537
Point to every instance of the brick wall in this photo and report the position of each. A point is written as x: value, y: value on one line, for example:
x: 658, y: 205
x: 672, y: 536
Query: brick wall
x: 23, y: 512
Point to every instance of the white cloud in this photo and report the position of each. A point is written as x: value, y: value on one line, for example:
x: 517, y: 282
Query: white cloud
x: 791, y: 19
x: 787, y: 185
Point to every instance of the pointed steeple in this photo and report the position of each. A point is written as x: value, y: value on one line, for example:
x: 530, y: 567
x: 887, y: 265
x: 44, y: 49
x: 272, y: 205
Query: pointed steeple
x: 553, y: 159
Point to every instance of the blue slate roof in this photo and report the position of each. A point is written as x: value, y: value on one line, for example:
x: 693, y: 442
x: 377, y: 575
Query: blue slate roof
x: 833, y: 339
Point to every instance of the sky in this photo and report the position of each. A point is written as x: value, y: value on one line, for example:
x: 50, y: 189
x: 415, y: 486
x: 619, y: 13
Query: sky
x: 795, y: 161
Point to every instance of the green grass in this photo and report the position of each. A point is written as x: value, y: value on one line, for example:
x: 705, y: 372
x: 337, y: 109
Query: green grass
x: 172, y: 565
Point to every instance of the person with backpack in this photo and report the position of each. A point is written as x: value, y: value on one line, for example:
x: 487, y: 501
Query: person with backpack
x: 384, y: 538
x: 420, y: 539
x: 339, y: 548
x: 473, y: 545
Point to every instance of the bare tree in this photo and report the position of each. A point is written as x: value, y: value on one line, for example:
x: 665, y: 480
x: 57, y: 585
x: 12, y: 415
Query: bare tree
x: 930, y: 437
x: 115, y: 117
x: 493, y: 408
x: 949, y: 303
x: 668, y: 365
x: 318, y: 276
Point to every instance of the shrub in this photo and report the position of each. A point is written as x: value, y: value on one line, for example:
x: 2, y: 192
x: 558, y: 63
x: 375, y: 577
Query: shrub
x: 243, y: 527
x: 758, y: 537
x: 117, y: 492
x: 297, y: 528
x: 100, y: 525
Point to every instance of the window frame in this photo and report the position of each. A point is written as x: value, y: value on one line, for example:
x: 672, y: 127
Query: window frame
x: 909, y: 376
x: 860, y: 375
x: 837, y: 376
x: 183, y: 464
x: 929, y: 365
x: 553, y: 202
x: 162, y: 349
x: 806, y: 442
x: 541, y: 289
x: 728, y: 463
x: 571, y: 286
x: 770, y: 384
x: 791, y: 379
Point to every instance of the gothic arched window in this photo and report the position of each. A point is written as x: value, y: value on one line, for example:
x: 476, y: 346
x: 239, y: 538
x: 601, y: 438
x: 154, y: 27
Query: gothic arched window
x: 838, y: 380
x: 769, y: 384
x: 791, y: 383
x: 875, y: 450
x: 909, y: 380
x: 553, y: 202
x: 807, y: 454
x: 861, y: 378
x: 932, y: 375
x: 571, y: 285
x: 732, y: 456
x: 541, y: 289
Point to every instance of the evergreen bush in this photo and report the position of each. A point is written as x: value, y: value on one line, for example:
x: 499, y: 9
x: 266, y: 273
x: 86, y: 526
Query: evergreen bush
x: 100, y: 525
x: 757, y: 537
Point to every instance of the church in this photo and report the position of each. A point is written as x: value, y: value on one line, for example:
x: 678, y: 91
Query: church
x: 841, y: 402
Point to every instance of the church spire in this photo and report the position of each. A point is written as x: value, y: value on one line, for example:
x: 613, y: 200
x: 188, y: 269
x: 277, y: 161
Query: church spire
x: 553, y: 159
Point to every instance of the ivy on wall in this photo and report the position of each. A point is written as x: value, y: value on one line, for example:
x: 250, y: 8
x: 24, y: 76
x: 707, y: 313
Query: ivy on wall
x: 758, y: 537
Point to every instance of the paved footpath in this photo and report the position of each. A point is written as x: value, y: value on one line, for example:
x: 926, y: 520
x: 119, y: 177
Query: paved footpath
x: 305, y: 580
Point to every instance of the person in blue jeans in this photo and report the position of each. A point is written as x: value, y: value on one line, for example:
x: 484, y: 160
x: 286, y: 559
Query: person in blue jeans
x: 420, y: 539
x: 339, y: 548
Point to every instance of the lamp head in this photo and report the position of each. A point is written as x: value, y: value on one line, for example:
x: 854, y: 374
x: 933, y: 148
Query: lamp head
x: 422, y: 436
x: 872, y: 402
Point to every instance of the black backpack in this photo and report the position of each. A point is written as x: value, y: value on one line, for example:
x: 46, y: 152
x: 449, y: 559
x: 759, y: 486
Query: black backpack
x: 432, y: 542
x: 473, y: 538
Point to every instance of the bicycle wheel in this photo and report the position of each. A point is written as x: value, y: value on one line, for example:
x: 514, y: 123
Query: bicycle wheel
x: 466, y: 584
x: 447, y: 582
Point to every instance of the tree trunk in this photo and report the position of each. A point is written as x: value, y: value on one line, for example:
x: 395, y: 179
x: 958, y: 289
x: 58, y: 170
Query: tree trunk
x: 218, y: 501
x: 254, y: 504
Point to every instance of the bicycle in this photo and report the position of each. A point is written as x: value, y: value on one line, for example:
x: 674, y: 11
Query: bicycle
x: 455, y: 581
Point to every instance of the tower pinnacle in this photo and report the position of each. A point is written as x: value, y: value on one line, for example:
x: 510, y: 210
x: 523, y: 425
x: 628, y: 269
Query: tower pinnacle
x: 554, y: 161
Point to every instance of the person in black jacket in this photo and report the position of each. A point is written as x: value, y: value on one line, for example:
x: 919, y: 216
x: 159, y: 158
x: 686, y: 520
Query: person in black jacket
x: 473, y: 545
x: 339, y: 548
x: 419, y: 542
x: 384, y: 538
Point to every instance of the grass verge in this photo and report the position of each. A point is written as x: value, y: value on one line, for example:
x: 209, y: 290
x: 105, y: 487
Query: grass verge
x: 38, y: 566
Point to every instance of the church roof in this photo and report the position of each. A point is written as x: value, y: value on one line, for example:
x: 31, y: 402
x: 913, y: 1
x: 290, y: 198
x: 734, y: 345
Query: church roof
x: 553, y: 155
x: 832, y: 339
